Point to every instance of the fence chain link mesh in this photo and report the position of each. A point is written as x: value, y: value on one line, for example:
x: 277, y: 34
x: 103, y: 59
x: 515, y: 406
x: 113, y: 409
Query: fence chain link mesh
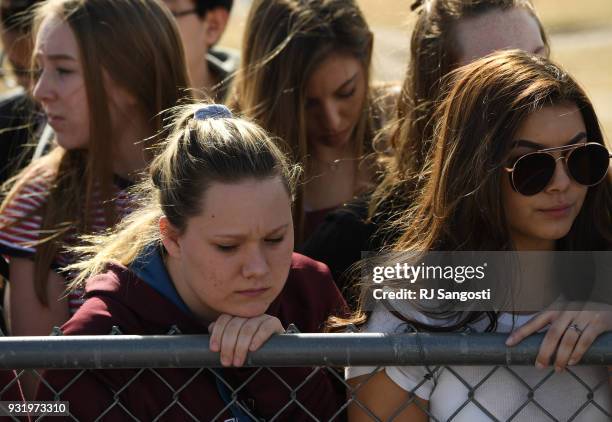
x: 530, y: 391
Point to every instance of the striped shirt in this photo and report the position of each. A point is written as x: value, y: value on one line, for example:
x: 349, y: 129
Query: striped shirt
x: 20, y: 224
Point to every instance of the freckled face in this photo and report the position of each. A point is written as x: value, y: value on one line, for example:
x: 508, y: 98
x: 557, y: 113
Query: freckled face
x: 235, y: 256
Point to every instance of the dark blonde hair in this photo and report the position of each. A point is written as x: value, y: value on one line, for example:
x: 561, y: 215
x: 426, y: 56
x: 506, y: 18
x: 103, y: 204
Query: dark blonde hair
x: 197, y: 154
x: 433, y: 54
x: 137, y: 44
x: 284, y: 42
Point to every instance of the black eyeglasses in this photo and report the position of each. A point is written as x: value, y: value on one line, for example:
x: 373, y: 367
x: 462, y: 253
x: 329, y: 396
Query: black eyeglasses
x: 184, y: 13
x: 586, y: 163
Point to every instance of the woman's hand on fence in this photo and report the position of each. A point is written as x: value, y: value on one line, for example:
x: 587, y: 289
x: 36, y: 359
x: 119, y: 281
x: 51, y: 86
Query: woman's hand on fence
x: 235, y: 336
x: 570, y: 335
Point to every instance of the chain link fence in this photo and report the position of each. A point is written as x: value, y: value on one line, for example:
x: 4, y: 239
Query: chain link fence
x: 299, y: 377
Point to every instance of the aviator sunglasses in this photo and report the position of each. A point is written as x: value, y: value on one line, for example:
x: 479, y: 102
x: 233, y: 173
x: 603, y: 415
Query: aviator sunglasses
x: 586, y: 163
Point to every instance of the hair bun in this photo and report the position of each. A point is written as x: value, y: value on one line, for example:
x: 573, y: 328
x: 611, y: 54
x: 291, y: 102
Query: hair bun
x: 212, y: 111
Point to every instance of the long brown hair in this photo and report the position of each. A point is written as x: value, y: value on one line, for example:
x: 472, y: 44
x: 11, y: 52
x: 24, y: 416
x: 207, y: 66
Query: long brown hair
x: 198, y: 153
x: 284, y: 41
x: 137, y: 44
x: 459, y: 207
x: 433, y: 54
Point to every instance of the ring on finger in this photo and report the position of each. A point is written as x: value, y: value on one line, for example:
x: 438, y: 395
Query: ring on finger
x: 575, y: 327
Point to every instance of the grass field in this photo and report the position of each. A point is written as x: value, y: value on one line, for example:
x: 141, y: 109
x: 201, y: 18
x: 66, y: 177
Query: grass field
x: 581, y: 40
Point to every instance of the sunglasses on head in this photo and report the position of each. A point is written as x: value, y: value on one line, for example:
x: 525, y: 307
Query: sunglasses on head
x: 586, y: 163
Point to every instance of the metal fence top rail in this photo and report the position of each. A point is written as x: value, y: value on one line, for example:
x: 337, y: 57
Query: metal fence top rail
x: 348, y: 349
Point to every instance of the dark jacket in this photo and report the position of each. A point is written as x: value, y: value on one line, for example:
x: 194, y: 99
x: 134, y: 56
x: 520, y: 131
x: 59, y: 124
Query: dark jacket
x: 119, y: 298
x: 340, y: 240
x: 19, y: 122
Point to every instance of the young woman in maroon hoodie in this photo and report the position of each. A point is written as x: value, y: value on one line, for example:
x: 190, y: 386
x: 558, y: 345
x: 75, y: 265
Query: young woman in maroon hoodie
x: 210, y: 250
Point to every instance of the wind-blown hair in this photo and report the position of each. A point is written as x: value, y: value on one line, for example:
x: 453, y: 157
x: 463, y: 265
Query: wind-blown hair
x: 459, y: 206
x: 115, y: 37
x: 284, y: 42
x: 434, y: 53
x: 197, y: 154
